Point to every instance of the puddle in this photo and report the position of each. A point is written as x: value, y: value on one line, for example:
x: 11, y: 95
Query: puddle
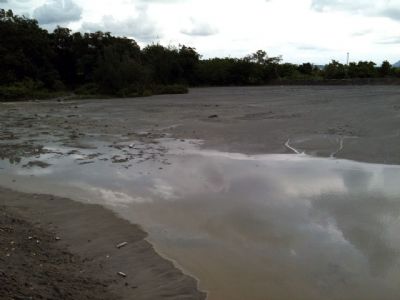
x: 249, y: 227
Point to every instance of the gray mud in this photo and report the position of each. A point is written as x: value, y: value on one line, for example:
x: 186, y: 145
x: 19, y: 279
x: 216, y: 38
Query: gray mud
x: 77, y: 142
x: 247, y: 120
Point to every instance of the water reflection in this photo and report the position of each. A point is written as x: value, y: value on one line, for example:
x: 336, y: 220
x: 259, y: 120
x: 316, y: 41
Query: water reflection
x: 253, y: 227
x: 367, y: 221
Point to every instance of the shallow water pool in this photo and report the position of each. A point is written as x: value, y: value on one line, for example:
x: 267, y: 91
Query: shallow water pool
x: 248, y: 227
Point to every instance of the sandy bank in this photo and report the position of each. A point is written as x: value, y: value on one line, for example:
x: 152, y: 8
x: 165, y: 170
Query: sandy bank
x: 85, y: 262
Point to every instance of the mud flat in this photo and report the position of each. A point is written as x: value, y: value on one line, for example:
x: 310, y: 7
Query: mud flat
x: 113, y: 152
x: 254, y: 120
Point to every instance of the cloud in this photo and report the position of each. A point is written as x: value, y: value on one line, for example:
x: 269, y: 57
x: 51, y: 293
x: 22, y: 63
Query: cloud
x: 379, y: 8
x: 390, y: 41
x: 199, y: 29
x: 330, y: 5
x: 392, y: 13
x: 140, y: 27
x: 361, y: 32
x: 311, y: 48
x: 58, y: 11
x: 17, y: 5
x: 158, y: 1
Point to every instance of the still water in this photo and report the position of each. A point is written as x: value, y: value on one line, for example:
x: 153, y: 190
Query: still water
x: 248, y: 227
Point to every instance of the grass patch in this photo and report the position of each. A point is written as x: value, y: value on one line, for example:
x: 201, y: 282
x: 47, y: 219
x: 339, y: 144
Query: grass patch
x: 22, y: 91
x: 29, y: 90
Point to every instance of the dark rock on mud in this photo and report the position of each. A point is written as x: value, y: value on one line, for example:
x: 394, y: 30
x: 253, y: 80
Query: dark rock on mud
x: 37, y: 163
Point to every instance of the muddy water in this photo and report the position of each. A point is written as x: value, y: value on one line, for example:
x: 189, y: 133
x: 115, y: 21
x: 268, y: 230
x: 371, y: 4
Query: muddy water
x: 248, y: 227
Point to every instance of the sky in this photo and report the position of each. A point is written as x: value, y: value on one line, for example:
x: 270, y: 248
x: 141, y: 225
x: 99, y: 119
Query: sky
x: 314, y: 31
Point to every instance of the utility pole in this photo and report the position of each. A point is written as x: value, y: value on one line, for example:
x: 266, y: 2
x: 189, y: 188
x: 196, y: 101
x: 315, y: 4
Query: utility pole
x: 347, y: 65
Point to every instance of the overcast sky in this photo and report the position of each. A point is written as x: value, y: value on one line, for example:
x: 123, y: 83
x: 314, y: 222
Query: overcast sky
x: 299, y: 30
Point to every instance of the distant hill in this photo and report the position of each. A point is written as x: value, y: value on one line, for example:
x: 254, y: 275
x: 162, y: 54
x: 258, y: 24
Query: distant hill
x: 397, y: 65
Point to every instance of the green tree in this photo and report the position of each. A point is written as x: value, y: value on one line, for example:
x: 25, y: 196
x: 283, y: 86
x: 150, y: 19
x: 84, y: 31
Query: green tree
x: 65, y: 57
x: 163, y: 63
x: 334, y: 70
x: 188, y: 60
x: 306, y: 68
x: 287, y: 70
x: 385, y: 69
x: 25, y: 51
x: 214, y: 71
x: 362, y: 69
x: 119, y: 73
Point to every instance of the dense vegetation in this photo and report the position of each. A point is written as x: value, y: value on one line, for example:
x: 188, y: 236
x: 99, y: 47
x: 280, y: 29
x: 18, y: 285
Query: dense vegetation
x: 36, y: 63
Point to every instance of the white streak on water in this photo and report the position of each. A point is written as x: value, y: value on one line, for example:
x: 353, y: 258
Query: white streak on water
x: 287, y: 144
x: 341, y: 145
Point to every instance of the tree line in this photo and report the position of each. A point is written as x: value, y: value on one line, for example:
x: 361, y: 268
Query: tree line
x: 35, y: 62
